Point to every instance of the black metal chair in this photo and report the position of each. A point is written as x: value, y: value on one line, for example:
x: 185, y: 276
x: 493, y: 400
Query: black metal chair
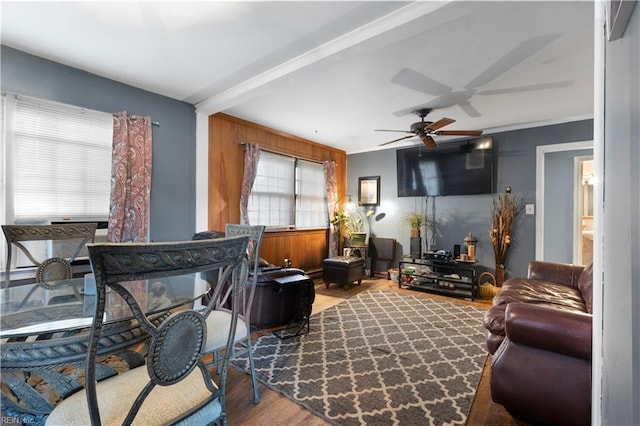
x: 53, y: 268
x: 175, y: 386
x: 220, y: 319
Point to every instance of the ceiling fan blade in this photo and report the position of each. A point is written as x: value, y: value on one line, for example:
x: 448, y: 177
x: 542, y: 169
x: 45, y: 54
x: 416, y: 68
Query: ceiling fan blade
x: 388, y: 130
x: 406, y: 111
x: 440, y: 123
x: 429, y: 142
x: 512, y: 58
x: 397, y: 140
x: 469, y: 109
x: 532, y: 87
x: 459, y: 132
x: 419, y: 82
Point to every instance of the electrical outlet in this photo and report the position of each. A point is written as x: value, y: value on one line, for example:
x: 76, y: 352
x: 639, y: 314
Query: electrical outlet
x: 530, y: 209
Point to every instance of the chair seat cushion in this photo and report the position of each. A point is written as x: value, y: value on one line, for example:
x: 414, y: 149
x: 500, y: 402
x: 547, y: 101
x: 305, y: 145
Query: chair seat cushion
x: 218, y: 323
x: 163, y: 405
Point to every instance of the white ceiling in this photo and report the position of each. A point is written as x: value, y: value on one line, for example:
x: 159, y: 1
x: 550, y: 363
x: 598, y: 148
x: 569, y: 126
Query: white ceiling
x: 331, y: 72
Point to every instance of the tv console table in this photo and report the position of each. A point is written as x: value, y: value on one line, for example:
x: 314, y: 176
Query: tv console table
x: 448, y: 277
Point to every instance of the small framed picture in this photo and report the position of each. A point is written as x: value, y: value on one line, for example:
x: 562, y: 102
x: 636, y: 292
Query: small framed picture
x: 369, y: 191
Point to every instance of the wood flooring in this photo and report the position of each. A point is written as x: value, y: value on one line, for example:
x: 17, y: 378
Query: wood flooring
x: 275, y: 409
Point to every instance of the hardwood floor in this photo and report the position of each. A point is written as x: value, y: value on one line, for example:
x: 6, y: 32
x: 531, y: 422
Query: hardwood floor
x: 275, y: 409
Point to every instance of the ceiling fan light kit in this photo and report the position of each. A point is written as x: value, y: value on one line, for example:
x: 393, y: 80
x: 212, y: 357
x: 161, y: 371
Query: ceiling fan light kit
x: 425, y: 129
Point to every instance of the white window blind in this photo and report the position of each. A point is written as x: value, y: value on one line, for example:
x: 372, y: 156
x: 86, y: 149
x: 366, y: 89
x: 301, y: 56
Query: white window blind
x: 311, y: 207
x: 288, y: 192
x: 272, y: 198
x: 61, y: 161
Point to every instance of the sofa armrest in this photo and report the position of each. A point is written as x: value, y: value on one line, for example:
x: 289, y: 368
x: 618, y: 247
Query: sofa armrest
x: 561, y: 273
x: 565, y: 332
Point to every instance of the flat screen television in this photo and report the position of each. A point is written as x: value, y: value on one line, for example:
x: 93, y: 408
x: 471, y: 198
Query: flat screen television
x: 453, y: 168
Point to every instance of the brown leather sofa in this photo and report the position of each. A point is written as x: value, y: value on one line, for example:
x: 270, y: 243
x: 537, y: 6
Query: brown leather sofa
x: 539, y: 333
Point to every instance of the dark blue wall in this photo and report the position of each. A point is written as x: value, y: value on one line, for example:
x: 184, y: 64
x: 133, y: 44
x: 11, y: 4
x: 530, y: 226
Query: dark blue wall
x: 456, y: 216
x: 174, y: 141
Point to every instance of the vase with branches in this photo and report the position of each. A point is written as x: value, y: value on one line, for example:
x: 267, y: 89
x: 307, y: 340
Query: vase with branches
x: 506, y: 208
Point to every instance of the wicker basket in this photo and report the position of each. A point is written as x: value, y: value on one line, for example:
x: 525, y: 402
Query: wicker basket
x: 486, y: 289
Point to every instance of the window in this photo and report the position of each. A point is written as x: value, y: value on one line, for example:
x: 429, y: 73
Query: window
x: 311, y: 204
x: 58, y: 160
x: 288, y: 192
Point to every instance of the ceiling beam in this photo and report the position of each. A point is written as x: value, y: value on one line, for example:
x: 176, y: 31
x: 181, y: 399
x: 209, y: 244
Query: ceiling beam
x: 242, y: 91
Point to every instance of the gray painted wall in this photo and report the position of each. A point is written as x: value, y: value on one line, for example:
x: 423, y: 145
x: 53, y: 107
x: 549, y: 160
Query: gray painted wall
x: 621, y: 233
x: 174, y: 142
x: 456, y: 216
x: 558, y: 204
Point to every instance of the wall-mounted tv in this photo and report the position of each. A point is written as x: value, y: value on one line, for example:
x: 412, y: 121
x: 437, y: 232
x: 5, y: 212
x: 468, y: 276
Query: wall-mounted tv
x: 453, y: 168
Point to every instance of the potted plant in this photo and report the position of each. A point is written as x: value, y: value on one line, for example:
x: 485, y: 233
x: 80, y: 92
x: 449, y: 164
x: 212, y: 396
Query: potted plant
x: 415, y: 221
x: 351, y: 226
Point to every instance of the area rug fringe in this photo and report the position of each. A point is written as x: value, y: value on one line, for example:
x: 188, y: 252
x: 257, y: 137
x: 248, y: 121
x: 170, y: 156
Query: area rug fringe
x: 380, y: 358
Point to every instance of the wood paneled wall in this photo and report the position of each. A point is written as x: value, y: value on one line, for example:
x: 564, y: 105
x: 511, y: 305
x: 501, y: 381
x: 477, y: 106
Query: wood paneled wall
x: 306, y: 248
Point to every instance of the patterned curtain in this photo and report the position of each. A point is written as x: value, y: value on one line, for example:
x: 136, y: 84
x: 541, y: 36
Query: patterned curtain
x: 331, y: 186
x: 251, y: 157
x: 130, y: 179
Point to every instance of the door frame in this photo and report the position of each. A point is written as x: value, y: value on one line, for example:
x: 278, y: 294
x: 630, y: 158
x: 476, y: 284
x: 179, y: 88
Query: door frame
x: 541, y: 151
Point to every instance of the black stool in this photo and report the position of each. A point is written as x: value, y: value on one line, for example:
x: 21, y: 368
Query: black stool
x: 342, y: 270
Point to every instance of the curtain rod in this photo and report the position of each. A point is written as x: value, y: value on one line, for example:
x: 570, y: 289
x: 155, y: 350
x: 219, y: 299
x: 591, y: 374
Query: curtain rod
x: 272, y: 151
x: 153, y: 123
x: 134, y: 117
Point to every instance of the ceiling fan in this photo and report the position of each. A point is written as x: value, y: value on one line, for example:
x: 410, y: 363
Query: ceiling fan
x: 425, y: 129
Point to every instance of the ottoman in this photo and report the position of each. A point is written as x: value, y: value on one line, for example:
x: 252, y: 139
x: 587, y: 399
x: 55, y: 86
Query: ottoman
x: 342, y: 270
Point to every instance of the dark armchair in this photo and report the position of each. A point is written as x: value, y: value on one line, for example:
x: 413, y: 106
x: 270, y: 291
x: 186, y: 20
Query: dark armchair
x: 540, y: 334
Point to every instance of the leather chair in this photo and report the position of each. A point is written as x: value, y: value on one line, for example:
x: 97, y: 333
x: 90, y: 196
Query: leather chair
x: 540, y: 334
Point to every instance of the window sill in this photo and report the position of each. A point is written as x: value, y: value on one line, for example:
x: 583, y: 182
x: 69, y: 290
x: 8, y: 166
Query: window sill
x: 275, y: 229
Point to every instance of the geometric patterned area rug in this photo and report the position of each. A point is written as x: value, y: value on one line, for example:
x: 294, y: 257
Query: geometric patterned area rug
x: 380, y: 358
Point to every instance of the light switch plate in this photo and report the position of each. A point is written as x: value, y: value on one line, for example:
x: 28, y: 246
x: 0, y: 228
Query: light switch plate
x: 530, y: 208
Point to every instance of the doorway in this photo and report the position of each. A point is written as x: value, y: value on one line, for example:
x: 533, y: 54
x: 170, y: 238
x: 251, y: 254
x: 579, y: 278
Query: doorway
x: 558, y: 222
x: 583, y: 219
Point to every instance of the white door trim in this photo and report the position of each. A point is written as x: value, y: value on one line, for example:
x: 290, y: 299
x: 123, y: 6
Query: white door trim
x: 541, y: 150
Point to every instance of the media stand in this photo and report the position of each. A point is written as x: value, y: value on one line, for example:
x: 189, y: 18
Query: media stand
x: 449, y: 277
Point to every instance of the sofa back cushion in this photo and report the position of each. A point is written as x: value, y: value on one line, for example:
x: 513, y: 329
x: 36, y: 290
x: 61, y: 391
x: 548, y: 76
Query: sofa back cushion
x: 585, y: 286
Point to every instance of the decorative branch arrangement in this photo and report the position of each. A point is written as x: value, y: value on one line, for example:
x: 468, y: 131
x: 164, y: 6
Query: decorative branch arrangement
x: 505, y: 209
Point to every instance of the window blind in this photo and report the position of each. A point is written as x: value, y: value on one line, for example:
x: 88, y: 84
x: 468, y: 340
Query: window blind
x: 288, y: 192
x: 311, y: 207
x: 61, y: 161
x: 272, y: 196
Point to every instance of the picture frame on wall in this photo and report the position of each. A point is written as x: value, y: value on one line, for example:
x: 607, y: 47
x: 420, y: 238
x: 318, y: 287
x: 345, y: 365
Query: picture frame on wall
x: 369, y: 191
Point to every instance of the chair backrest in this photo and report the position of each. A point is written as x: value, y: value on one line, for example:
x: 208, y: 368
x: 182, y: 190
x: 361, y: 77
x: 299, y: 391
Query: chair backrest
x: 255, y: 234
x: 176, y: 345
x: 54, y: 268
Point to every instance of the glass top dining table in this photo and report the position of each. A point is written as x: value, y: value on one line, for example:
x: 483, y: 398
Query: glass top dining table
x: 45, y: 327
x: 44, y: 308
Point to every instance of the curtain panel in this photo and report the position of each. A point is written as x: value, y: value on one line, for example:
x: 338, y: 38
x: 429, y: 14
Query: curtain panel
x: 331, y: 186
x: 130, y: 179
x: 251, y: 158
